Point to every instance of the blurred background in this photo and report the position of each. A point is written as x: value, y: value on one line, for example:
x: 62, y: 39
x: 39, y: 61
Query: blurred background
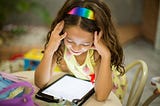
x: 24, y: 25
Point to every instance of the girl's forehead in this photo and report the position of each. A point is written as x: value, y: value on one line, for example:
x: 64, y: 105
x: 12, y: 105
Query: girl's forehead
x: 77, y: 32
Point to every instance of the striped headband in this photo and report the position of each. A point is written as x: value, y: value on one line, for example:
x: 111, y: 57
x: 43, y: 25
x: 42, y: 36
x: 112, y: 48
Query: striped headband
x: 82, y: 12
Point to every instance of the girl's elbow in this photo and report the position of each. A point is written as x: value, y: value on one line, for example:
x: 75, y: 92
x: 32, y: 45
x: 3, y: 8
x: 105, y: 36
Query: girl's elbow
x: 39, y: 85
x: 101, y: 97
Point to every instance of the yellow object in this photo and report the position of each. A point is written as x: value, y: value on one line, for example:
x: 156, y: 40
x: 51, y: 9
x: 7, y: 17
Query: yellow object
x: 80, y: 71
x: 119, y: 84
x: 34, y: 54
x: 32, y: 58
x: 57, y: 69
x: 15, y: 92
x: 86, y: 70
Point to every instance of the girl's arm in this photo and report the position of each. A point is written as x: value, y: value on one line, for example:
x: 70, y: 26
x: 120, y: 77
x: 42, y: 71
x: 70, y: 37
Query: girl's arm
x: 43, y: 72
x: 103, y: 83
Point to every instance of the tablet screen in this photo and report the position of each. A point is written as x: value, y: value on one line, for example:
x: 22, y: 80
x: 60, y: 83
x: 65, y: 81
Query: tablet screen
x: 69, y: 88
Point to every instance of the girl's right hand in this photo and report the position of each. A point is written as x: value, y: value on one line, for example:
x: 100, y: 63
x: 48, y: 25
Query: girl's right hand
x: 56, y: 38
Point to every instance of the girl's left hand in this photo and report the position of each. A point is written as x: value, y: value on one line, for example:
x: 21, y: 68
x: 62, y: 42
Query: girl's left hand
x: 99, y: 44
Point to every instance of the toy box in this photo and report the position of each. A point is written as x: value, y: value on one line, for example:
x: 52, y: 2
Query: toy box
x: 32, y: 59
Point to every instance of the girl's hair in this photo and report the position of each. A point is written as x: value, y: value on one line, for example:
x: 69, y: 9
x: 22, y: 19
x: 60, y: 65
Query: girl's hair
x: 102, y: 22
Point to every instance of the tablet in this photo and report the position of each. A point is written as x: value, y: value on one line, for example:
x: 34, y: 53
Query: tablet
x: 67, y: 88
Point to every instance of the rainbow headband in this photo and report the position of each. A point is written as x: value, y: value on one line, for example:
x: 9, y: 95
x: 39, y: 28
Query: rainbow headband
x: 82, y: 12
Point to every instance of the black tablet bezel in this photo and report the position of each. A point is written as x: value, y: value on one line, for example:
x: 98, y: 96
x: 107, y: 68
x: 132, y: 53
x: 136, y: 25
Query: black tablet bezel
x: 49, y: 98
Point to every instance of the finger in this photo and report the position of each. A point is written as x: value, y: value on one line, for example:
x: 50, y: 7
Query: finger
x: 56, y: 27
x: 100, y: 35
x: 59, y: 27
x: 95, y: 36
x: 63, y: 36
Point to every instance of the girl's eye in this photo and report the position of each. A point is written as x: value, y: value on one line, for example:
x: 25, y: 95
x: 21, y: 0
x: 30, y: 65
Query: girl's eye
x: 87, y: 44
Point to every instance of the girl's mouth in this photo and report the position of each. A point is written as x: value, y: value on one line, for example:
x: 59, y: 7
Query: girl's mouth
x: 75, y: 52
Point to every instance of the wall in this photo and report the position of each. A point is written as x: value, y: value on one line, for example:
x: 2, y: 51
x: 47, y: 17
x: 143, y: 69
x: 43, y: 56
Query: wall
x: 124, y: 12
x: 157, y: 41
x: 32, y: 18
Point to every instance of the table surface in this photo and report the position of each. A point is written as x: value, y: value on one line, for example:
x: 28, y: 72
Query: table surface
x: 29, y: 76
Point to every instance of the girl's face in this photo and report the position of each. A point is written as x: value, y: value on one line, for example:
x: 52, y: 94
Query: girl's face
x: 77, y: 40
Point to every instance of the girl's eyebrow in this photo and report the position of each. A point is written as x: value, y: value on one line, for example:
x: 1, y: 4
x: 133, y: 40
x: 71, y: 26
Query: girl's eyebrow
x: 88, y: 42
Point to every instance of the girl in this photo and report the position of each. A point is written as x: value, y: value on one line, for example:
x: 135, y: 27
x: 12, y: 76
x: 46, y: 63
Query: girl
x: 83, y: 41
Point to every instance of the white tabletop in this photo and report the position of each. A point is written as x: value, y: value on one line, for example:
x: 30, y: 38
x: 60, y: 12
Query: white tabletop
x: 29, y: 76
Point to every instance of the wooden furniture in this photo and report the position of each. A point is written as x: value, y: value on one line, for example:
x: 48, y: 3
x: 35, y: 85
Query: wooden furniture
x: 29, y: 76
x: 150, y: 19
x: 140, y: 69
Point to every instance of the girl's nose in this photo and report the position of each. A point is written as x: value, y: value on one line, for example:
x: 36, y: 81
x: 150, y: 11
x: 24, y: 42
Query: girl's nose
x: 76, y: 47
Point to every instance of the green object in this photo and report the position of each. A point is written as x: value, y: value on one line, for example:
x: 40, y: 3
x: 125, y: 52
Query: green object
x: 7, y: 8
